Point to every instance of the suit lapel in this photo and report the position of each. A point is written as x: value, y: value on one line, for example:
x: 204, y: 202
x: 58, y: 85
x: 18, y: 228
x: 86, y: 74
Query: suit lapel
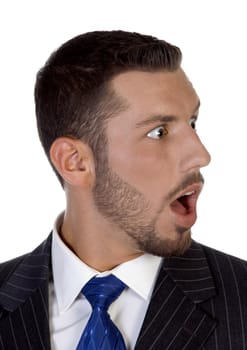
x: 24, y: 320
x: 174, y: 319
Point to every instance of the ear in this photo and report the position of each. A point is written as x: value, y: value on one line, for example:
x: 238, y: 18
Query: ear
x: 74, y: 161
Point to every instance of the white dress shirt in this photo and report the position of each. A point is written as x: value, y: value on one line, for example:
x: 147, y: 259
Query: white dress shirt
x: 69, y: 310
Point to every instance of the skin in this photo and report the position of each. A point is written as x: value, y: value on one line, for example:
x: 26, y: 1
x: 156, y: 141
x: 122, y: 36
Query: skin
x: 120, y: 208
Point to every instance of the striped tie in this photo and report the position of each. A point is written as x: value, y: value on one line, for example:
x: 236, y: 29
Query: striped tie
x: 100, y: 332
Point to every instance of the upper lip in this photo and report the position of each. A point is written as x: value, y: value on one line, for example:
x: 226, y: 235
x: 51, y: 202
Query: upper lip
x: 194, y: 188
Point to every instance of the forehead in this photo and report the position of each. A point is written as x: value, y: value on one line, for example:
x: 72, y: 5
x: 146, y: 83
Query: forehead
x: 148, y: 93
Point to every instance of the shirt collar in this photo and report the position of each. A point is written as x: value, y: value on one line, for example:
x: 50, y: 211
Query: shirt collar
x: 70, y: 274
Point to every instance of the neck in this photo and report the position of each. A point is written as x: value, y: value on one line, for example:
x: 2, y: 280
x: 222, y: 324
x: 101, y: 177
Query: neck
x: 95, y: 240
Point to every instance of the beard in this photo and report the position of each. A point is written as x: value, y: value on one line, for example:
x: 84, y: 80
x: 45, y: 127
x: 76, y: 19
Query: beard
x: 129, y: 210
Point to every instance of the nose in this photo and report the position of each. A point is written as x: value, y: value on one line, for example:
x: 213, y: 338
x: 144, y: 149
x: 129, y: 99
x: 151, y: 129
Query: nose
x: 194, y: 153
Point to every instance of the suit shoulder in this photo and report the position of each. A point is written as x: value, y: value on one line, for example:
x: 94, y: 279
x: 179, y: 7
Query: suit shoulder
x: 226, y: 265
x: 31, y: 257
x: 218, y: 253
x: 7, y: 267
x: 40, y: 257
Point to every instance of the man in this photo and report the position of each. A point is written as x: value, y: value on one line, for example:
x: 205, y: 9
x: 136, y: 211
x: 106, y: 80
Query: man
x: 116, y: 116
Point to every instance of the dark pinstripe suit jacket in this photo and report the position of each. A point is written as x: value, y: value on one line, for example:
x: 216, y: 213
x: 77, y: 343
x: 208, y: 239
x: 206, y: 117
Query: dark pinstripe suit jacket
x: 199, y: 302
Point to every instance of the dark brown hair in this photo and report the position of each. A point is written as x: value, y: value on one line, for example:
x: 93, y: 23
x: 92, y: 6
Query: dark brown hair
x: 73, y: 95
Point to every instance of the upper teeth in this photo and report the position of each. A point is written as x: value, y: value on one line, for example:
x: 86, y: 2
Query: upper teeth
x: 189, y: 193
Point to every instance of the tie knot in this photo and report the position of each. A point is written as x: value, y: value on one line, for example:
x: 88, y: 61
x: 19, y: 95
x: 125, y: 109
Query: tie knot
x: 102, y: 291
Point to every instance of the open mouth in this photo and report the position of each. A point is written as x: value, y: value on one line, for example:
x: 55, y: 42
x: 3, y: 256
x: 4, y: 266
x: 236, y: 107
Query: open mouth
x: 185, y: 204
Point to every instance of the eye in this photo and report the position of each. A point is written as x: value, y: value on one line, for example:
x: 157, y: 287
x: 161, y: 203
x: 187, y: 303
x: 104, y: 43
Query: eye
x: 193, y: 122
x: 158, y: 133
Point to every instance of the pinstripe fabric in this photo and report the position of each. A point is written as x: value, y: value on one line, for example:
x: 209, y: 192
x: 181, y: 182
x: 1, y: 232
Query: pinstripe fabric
x: 199, y: 302
x: 174, y: 320
x: 230, y: 306
x: 24, y: 320
x: 216, y: 285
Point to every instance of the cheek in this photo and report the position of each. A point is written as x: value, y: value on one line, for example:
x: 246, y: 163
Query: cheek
x: 151, y: 171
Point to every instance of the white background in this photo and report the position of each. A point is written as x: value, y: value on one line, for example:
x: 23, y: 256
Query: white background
x: 212, y: 36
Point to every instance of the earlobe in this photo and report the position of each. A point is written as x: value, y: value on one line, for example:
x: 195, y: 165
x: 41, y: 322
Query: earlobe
x: 73, y: 160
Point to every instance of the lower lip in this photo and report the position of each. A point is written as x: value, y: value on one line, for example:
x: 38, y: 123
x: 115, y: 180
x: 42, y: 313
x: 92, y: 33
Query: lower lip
x: 186, y: 217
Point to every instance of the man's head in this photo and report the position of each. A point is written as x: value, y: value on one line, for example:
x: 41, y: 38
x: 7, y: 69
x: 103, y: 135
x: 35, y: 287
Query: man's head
x: 73, y: 93
x: 122, y: 100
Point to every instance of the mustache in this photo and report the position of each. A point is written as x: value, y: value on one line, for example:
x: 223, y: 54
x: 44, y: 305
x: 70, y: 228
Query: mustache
x: 187, y: 181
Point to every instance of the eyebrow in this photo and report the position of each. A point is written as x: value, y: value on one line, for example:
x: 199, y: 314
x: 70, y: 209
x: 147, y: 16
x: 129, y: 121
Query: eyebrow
x: 163, y: 118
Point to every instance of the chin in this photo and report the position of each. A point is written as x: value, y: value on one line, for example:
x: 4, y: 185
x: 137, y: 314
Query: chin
x: 183, y: 243
x: 179, y: 246
x: 167, y: 247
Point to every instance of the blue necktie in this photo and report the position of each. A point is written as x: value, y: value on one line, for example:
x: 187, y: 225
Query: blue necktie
x: 100, y: 332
